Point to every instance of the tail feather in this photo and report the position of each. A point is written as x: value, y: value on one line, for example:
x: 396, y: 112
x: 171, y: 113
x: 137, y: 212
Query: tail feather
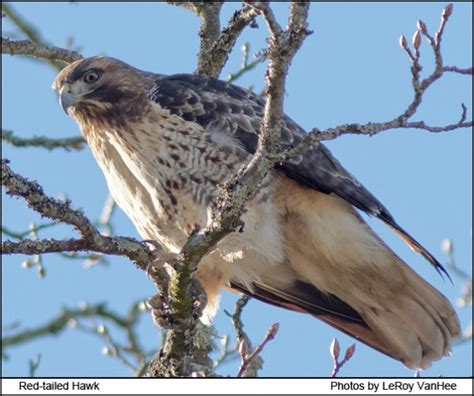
x: 303, y: 297
x: 409, y: 331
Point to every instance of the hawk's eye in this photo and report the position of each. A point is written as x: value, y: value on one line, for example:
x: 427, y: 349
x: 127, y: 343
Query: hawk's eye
x: 91, y: 77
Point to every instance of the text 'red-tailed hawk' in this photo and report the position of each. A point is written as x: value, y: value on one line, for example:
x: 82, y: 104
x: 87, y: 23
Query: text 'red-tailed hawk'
x: 164, y: 143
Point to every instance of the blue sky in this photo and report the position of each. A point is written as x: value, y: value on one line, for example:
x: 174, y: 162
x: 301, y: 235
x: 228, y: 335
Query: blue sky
x: 350, y: 70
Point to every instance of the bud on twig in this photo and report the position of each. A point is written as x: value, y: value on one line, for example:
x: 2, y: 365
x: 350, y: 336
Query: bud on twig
x: 403, y: 42
x: 273, y: 330
x: 447, y: 11
x: 416, y: 40
x: 350, y: 351
x: 421, y: 26
x: 335, y: 349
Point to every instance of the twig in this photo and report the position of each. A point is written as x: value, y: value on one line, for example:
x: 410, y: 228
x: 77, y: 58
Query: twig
x: 243, y: 340
x: 26, y: 27
x: 28, y: 47
x: 32, y: 228
x: 335, y: 349
x: 247, y: 359
x: 236, y: 317
x: 465, y: 299
x: 57, y: 324
x: 419, y: 89
x: 226, y: 352
x: 112, y: 348
x: 29, y: 30
x: 455, y: 69
x: 72, y: 318
x: 74, y: 143
x: 246, y: 65
x: 33, y: 365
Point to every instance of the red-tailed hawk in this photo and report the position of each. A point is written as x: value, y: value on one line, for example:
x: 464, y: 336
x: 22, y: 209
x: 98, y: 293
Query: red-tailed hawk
x: 165, y: 142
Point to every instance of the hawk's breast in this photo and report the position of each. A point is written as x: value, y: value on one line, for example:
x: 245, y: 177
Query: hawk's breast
x: 163, y: 172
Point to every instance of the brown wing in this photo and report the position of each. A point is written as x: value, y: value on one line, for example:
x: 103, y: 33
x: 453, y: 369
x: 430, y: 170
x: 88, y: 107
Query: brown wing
x: 223, y: 108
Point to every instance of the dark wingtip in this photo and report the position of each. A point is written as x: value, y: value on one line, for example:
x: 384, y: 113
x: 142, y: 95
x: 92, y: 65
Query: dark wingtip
x: 415, y: 245
x: 438, y: 266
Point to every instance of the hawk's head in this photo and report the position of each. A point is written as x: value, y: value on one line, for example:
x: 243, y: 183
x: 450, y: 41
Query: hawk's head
x: 102, y: 87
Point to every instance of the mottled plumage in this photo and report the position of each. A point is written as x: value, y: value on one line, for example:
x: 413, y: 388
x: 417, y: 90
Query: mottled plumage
x: 165, y: 142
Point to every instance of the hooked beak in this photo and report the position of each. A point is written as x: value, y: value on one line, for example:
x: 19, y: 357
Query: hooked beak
x: 66, y: 98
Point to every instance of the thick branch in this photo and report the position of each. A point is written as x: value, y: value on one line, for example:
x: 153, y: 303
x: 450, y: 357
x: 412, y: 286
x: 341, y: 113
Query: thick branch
x: 209, y: 14
x: 209, y: 31
x: 27, y: 47
x: 115, y: 246
x: 215, y: 45
x: 212, y: 62
x: 74, y: 143
x: 232, y: 197
x: 16, y: 185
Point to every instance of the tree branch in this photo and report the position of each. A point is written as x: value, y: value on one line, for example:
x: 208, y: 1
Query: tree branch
x: 215, y: 45
x: 247, y: 359
x: 59, y: 323
x: 212, y: 62
x: 419, y: 89
x: 32, y: 192
x: 28, y: 47
x: 209, y: 14
x: 74, y: 143
x: 72, y: 318
x: 251, y: 366
x: 455, y: 69
x: 183, y: 298
x: 29, y: 30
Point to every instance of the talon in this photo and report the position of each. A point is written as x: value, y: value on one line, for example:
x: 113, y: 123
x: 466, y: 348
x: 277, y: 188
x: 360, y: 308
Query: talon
x: 155, y: 302
x: 153, y: 243
x: 156, y: 265
x: 160, y: 311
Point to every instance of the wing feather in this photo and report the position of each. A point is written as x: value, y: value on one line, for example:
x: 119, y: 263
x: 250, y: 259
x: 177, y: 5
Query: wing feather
x: 224, y: 108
